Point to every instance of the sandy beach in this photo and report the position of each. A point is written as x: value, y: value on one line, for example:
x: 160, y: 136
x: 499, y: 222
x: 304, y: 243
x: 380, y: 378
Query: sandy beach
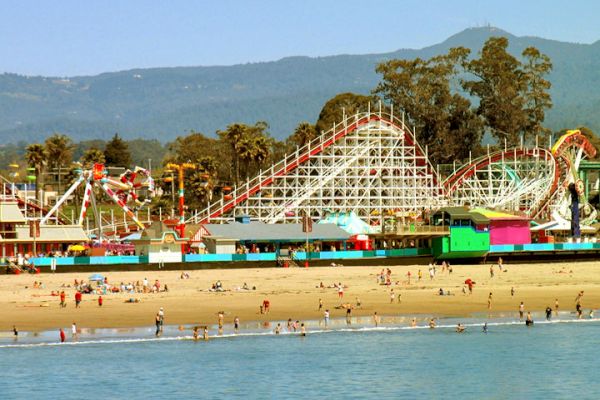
x: 295, y: 293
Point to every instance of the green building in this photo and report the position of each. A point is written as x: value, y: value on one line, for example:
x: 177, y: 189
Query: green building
x: 469, y: 233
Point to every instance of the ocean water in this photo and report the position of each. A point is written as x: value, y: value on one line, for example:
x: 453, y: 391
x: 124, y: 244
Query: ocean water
x: 548, y: 360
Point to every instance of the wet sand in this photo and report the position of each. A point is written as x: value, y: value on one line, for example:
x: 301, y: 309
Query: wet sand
x: 294, y: 293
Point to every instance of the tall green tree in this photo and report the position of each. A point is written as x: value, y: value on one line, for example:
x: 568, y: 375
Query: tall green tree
x: 537, y: 98
x: 233, y: 136
x: 117, y: 152
x: 346, y: 104
x: 443, y: 119
x: 512, y: 95
x: 37, y: 158
x: 59, y: 149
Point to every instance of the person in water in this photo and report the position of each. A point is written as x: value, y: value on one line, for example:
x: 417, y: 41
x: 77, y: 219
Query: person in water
x: 529, y: 320
x: 460, y: 328
x: 196, y: 333
x: 302, y: 330
x: 485, y: 328
x: 548, y: 313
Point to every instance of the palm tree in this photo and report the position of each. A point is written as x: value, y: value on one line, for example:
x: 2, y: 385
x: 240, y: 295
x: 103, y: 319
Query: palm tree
x: 304, y: 133
x: 92, y: 156
x: 60, y: 153
x: 233, y: 135
x: 37, y: 158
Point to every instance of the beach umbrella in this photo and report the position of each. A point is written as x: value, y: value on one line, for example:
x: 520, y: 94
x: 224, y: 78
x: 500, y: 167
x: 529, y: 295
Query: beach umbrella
x: 96, y: 277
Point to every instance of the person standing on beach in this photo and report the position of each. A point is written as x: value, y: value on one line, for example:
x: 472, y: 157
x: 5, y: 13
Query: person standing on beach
x: 392, y: 296
x: 236, y: 324
x: 326, y: 317
x: 579, y: 309
x: 63, y: 337
x: 100, y: 301
x: 77, y: 299
x: 320, y: 304
x: 491, y: 271
x: 521, y: 311
x: 266, y: 306
x: 408, y: 275
x: 63, y: 304
x: 512, y: 291
x: 74, y: 330
x: 376, y: 319
x: 15, y: 332
x: 205, y: 333
x: 278, y: 329
x: 302, y: 330
x: 490, y: 301
x: 340, y: 290
x: 556, y: 307
x: 548, y: 313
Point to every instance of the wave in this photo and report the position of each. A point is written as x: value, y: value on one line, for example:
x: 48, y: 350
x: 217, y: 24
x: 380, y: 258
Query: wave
x: 357, y: 329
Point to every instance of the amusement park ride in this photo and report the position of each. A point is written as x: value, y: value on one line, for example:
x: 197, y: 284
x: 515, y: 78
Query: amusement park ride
x: 371, y: 164
x: 123, y: 191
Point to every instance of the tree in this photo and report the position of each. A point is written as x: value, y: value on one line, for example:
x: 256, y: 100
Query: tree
x: 343, y: 104
x: 233, y: 135
x: 92, y: 156
x: 304, y: 133
x: 537, y: 98
x: 117, y: 153
x: 59, y: 149
x: 37, y: 158
x: 443, y: 119
x: 512, y: 97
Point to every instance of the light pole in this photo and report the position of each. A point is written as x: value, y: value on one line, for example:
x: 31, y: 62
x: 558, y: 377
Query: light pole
x: 180, y: 168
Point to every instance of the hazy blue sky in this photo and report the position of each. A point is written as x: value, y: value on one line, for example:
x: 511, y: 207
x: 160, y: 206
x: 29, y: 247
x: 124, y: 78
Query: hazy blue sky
x: 77, y: 37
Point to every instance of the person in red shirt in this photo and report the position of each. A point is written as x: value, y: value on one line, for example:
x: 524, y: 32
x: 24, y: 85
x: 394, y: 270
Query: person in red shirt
x: 77, y: 299
x: 266, y: 306
x: 62, y: 299
x: 63, y: 337
x: 100, y: 301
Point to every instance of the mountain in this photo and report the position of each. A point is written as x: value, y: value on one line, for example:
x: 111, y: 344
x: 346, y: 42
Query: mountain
x: 163, y: 103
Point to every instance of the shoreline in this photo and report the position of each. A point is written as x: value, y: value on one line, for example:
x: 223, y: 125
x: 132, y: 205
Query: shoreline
x: 294, y: 293
x: 174, y: 332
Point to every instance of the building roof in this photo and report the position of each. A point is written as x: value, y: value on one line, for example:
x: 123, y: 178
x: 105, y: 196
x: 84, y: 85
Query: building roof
x: 10, y: 212
x: 52, y: 233
x: 464, y: 213
x: 259, y: 231
x: 497, y: 215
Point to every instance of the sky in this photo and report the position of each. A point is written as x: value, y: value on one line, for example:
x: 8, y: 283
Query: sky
x: 75, y: 37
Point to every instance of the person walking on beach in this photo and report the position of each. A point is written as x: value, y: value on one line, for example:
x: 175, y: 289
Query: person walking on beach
x: 62, y: 335
x: 236, y: 324
x: 77, y: 299
x: 74, y: 330
x: 100, y: 301
x: 491, y: 271
x: 579, y: 309
x: 490, y: 301
x: 326, y: 317
x: 376, y: 319
x: 63, y: 304
x: 340, y: 290
x: 392, y: 296
x: 521, y: 311
x: 15, y: 332
x: 266, y: 305
x: 320, y: 304
x: 579, y: 296
x: 556, y: 307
